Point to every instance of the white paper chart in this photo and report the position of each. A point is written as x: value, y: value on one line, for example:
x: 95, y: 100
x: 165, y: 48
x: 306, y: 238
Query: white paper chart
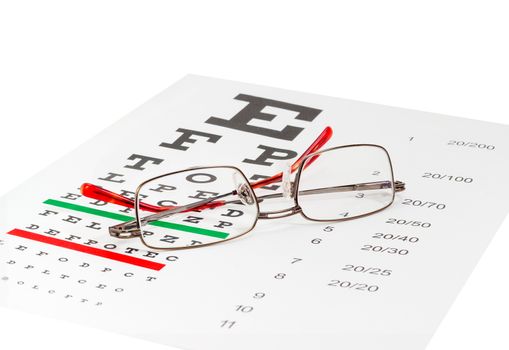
x: 382, y: 281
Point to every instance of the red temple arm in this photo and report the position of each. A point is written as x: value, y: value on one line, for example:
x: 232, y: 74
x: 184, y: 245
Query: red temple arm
x: 315, y: 146
x: 98, y: 193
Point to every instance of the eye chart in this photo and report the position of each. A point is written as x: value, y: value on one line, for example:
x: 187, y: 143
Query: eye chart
x: 385, y: 280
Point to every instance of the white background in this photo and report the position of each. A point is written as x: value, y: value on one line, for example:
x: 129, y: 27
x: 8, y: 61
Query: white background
x: 68, y: 69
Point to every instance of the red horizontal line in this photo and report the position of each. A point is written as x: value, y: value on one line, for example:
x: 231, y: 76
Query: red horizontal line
x: 87, y: 250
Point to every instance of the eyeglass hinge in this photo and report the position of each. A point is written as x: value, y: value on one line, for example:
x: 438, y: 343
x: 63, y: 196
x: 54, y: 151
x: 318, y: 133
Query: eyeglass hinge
x: 125, y: 230
x: 399, y: 186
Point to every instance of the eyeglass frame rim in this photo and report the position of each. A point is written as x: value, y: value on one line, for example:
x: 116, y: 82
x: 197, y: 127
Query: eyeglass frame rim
x: 296, y: 209
x: 301, y: 167
x: 137, y: 206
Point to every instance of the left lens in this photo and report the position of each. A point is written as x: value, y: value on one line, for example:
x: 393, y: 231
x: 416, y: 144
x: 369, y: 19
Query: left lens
x: 345, y: 182
x: 196, y: 207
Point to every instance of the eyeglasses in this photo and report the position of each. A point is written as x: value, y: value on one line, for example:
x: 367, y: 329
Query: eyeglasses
x: 202, y: 206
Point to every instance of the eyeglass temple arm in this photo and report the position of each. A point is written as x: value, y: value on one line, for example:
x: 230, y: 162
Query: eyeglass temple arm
x: 377, y: 185
x: 99, y: 193
x: 130, y: 229
x: 398, y: 185
x: 321, y: 140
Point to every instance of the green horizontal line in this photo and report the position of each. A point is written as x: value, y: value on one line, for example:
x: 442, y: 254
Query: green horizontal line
x: 97, y: 212
x: 120, y: 217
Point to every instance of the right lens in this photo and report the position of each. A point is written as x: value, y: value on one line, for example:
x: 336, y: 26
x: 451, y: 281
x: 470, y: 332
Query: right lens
x: 196, y: 207
x: 345, y: 182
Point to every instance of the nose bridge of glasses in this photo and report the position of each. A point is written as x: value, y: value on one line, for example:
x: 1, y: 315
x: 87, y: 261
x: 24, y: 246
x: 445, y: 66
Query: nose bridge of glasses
x: 276, y: 214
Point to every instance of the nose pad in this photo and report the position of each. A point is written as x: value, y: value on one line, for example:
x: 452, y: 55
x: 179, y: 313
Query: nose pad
x: 287, y: 185
x: 245, y: 194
